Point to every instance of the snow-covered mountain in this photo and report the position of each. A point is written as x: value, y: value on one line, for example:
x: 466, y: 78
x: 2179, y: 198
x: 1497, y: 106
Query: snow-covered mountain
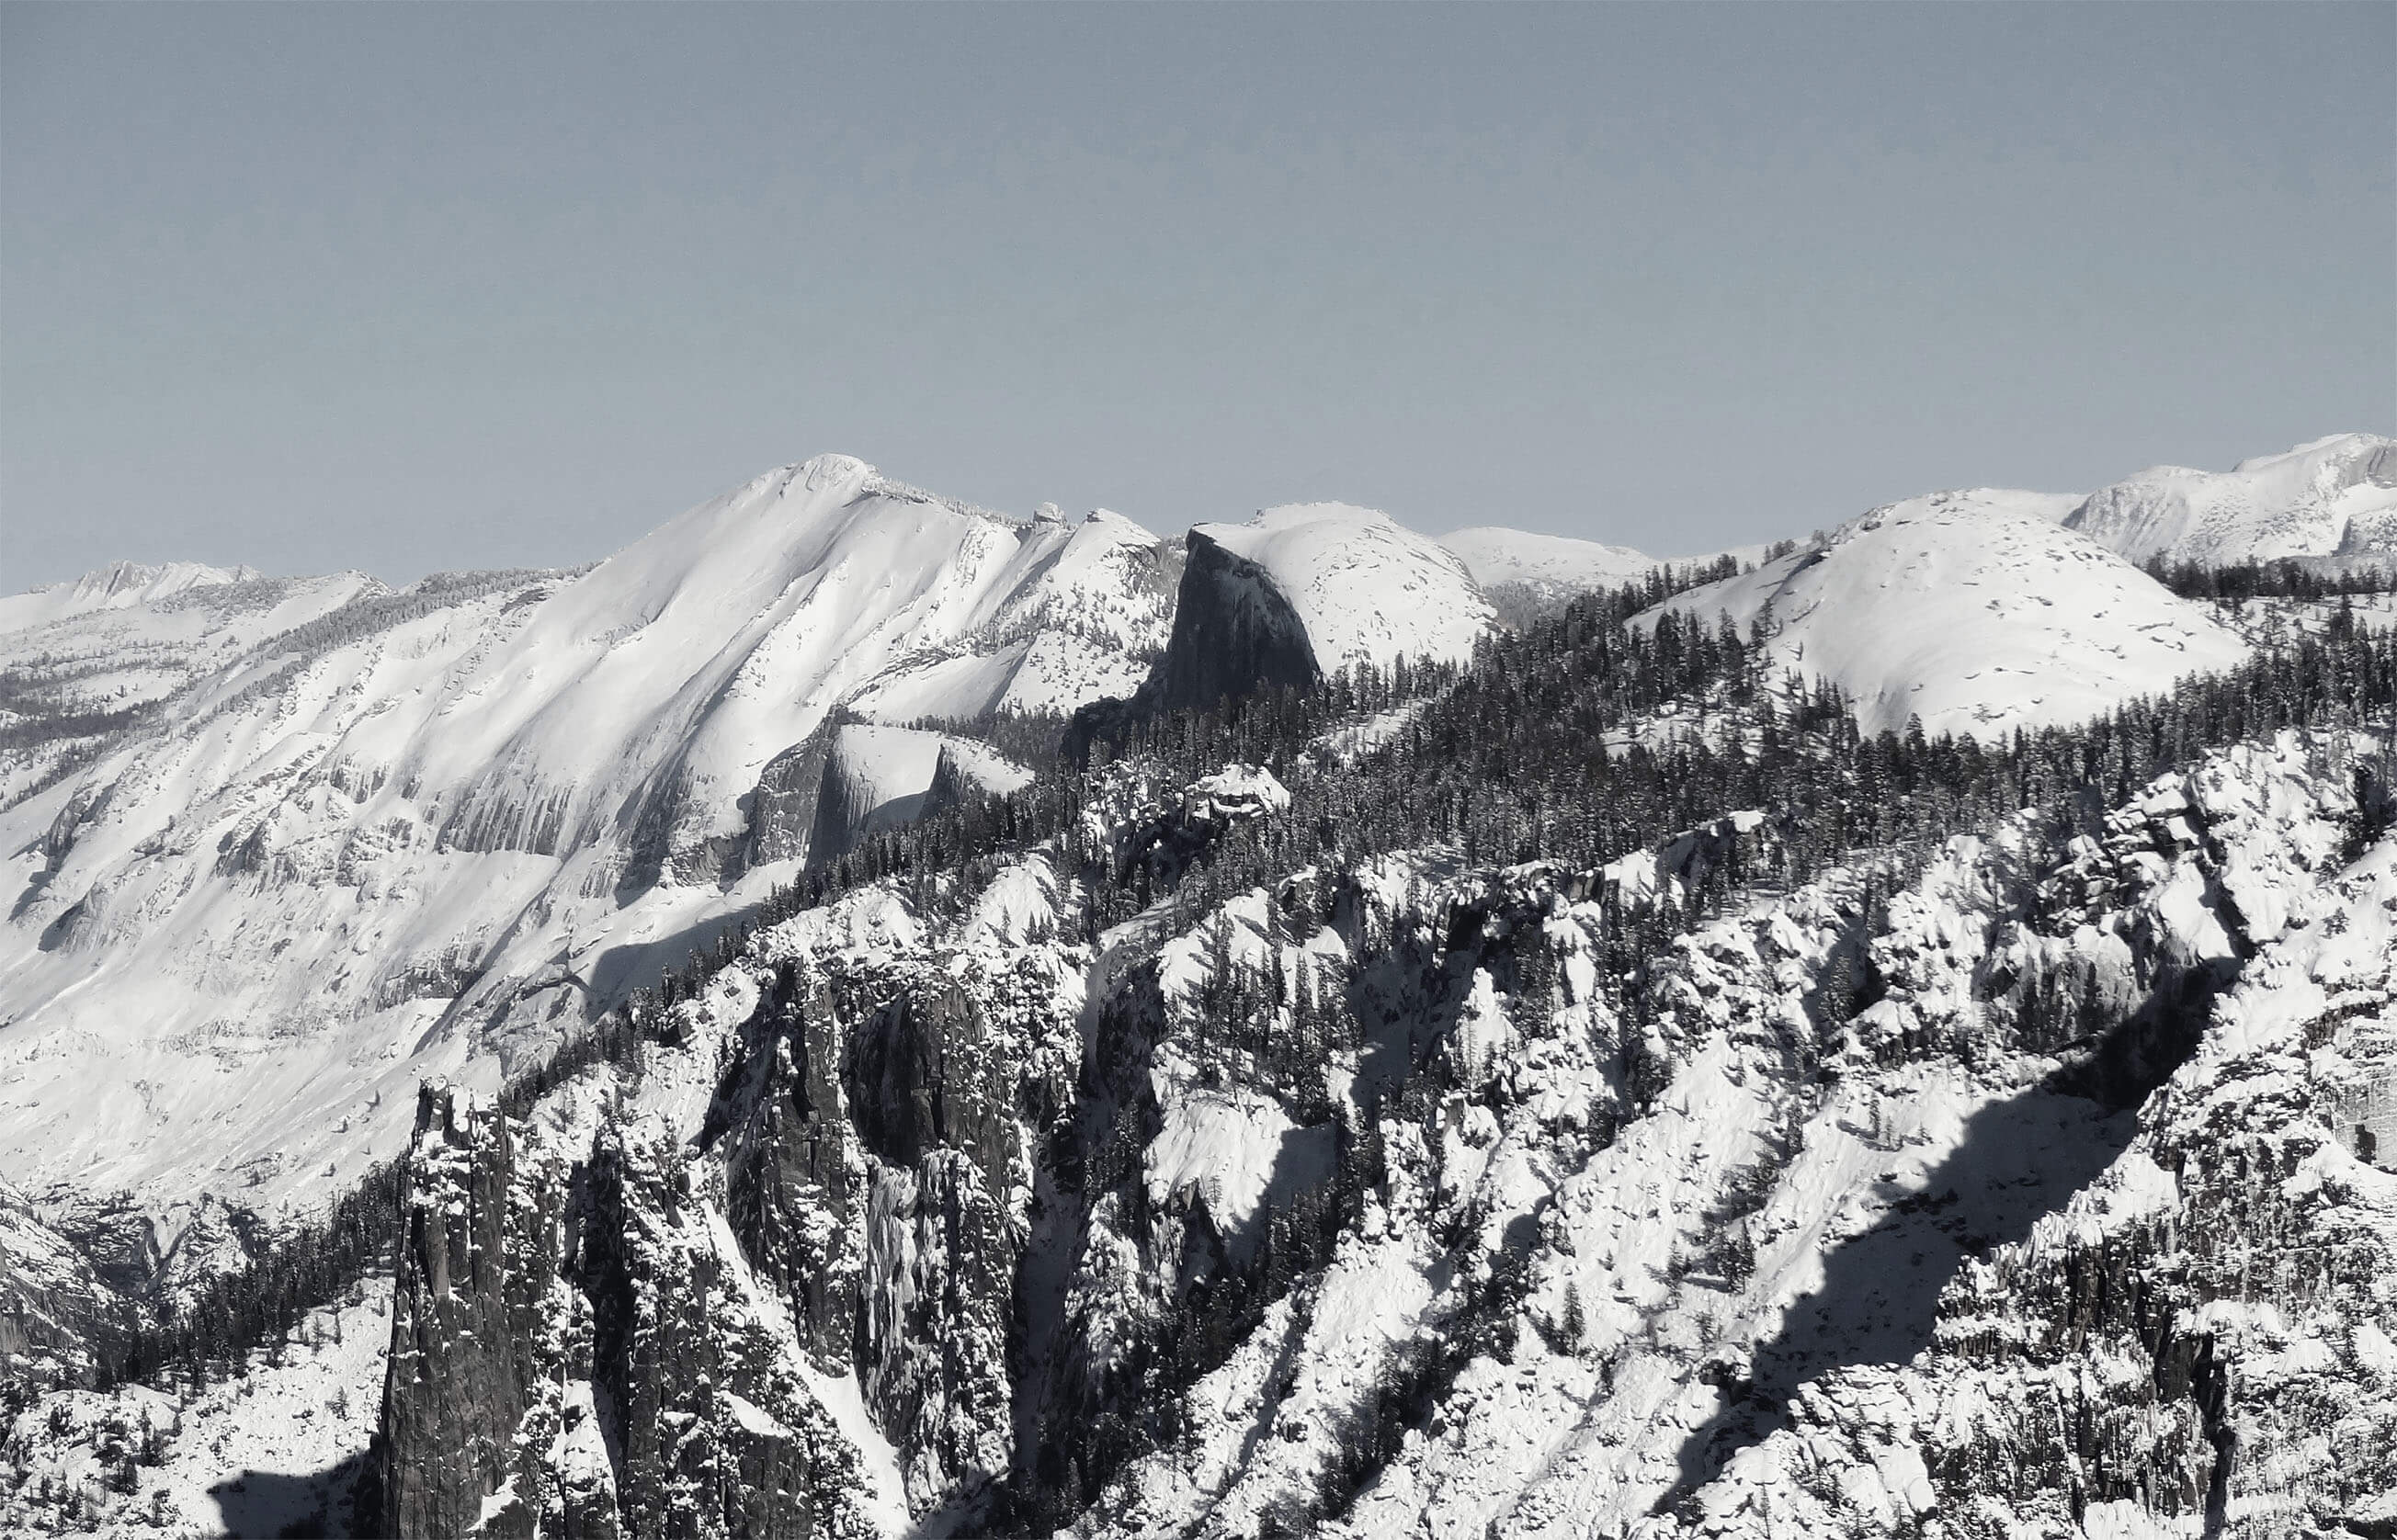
x: 81, y: 660
x: 1528, y: 575
x: 1366, y: 589
x: 1304, y: 591
x: 839, y: 1085
x: 1974, y: 611
x: 430, y: 832
x: 2333, y: 501
x: 118, y: 585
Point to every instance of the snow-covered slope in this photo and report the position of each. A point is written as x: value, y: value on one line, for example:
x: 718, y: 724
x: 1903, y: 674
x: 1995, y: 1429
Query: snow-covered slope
x: 878, y: 778
x: 78, y: 660
x: 1084, y: 614
x: 278, y: 1451
x: 1366, y: 589
x: 2335, y: 498
x: 427, y: 833
x: 1548, y: 564
x: 118, y: 585
x: 1972, y: 613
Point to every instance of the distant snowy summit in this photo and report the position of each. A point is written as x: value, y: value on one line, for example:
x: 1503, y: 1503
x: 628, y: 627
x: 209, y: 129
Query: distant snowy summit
x: 1302, y: 591
x: 1976, y: 612
x: 1496, y: 556
x: 118, y: 585
x: 2332, y: 502
x: 1366, y: 588
x: 463, y: 817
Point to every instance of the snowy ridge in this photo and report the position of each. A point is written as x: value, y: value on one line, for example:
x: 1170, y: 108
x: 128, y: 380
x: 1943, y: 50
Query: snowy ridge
x: 1249, y: 1133
x: 2333, y: 501
x: 430, y: 833
x: 1976, y: 616
x: 1365, y: 589
x: 118, y: 585
x: 1550, y: 564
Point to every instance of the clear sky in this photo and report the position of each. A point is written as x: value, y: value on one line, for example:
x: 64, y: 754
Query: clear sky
x: 406, y: 287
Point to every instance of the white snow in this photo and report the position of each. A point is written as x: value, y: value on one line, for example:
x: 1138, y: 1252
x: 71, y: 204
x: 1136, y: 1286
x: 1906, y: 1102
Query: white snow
x: 118, y: 585
x: 2333, y: 498
x: 250, y: 1455
x: 434, y: 844
x: 1975, y: 615
x: 1225, y: 1144
x: 1548, y: 564
x: 1366, y: 589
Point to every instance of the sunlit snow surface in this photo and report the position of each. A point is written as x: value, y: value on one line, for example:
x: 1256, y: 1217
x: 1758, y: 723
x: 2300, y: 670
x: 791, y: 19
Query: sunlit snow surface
x: 1548, y: 564
x: 1366, y: 589
x: 342, y: 863
x: 1974, y: 611
x: 276, y: 1451
x: 2335, y: 498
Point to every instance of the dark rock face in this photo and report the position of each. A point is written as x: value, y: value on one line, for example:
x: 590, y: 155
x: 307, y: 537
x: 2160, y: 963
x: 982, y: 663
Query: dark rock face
x: 570, y: 1356
x: 120, y: 1241
x: 1234, y: 634
x: 782, y: 807
x: 795, y: 1173
x: 952, y: 785
x: 881, y: 1133
x: 924, y: 1073
x: 846, y: 813
x: 476, y: 1262
x: 933, y: 1091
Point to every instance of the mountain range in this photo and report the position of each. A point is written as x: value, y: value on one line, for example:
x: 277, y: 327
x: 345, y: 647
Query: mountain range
x: 861, y: 1014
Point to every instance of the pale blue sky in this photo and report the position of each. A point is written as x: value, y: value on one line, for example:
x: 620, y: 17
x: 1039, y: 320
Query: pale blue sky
x: 414, y: 286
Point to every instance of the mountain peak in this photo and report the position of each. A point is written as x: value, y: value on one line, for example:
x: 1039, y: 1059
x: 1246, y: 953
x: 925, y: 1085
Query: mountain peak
x: 2333, y: 448
x: 2331, y: 501
x: 1974, y: 611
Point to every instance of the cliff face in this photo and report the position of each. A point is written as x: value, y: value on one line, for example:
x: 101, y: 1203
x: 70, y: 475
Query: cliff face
x: 796, y: 1174
x: 880, y: 778
x: 1235, y: 633
x: 888, y: 1119
x: 52, y: 1305
x: 571, y: 1354
x: 1304, y: 591
x: 478, y: 1259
